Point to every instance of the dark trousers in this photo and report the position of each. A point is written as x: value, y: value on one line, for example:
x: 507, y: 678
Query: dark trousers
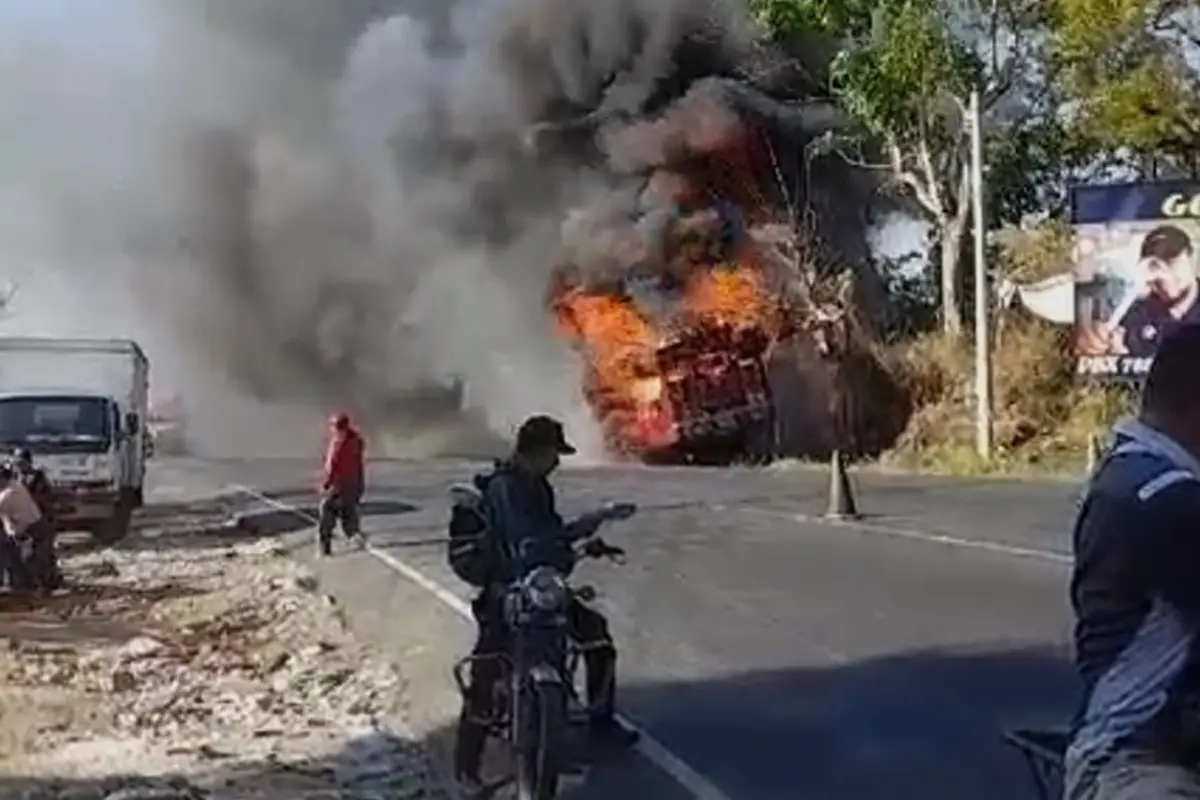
x: 44, y: 558
x: 339, y: 506
x: 588, y: 628
x: 14, y: 571
x: 30, y: 561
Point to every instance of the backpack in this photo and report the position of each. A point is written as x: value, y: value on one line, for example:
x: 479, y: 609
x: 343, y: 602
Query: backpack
x: 472, y: 550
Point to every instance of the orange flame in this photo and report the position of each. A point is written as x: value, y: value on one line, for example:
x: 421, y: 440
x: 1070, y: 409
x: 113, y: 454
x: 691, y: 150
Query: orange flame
x: 625, y: 381
x: 730, y: 296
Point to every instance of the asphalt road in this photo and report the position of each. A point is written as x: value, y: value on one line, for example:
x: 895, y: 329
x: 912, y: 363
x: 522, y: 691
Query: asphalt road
x: 779, y: 656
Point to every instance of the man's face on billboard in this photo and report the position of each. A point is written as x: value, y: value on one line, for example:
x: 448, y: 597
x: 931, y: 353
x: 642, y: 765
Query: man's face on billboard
x: 1172, y: 279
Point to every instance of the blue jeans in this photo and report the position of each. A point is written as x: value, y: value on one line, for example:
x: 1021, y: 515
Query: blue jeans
x: 1132, y: 775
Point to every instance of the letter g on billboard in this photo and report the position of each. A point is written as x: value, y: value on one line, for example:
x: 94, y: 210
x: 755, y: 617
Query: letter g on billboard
x: 1181, y: 205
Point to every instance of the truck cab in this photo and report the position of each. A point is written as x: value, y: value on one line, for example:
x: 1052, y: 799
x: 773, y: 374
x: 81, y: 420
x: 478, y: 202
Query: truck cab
x: 85, y: 444
x: 87, y: 431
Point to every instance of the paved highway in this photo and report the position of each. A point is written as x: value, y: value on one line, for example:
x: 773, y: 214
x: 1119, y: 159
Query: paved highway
x: 779, y: 656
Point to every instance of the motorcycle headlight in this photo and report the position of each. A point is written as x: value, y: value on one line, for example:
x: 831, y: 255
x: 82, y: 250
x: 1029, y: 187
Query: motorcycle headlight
x: 546, y: 590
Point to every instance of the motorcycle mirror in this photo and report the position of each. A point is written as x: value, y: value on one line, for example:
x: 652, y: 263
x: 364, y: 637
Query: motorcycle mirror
x: 586, y: 593
x: 619, y: 511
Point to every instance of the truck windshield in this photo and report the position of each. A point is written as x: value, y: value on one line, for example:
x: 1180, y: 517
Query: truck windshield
x: 56, y: 424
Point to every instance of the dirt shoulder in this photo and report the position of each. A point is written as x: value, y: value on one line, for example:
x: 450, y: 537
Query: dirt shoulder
x: 199, y: 670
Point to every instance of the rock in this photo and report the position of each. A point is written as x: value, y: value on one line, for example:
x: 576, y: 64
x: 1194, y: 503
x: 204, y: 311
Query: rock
x: 121, y: 680
x: 140, y: 647
x: 104, y: 569
x: 307, y: 582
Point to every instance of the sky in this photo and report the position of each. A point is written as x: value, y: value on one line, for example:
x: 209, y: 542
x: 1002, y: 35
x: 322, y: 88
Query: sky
x: 78, y: 22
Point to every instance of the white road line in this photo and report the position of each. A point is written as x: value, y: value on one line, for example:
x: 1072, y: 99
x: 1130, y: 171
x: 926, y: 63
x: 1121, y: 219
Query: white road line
x: 654, y: 751
x: 906, y: 533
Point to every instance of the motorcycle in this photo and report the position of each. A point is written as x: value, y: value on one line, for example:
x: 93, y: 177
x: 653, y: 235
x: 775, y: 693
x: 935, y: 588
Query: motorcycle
x: 535, y: 702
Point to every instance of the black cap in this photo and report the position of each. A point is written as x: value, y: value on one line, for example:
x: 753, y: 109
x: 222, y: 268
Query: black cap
x: 1165, y: 242
x: 543, y: 433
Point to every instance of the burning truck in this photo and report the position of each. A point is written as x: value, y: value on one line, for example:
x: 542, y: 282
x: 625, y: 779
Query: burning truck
x: 688, y: 388
x: 678, y: 319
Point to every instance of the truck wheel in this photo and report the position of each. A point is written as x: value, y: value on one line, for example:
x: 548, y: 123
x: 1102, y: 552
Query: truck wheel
x: 115, y: 528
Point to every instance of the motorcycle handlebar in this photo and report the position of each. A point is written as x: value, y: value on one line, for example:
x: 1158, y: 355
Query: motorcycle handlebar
x: 598, y: 548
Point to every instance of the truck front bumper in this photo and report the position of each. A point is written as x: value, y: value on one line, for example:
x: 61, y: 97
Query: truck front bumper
x: 85, y: 503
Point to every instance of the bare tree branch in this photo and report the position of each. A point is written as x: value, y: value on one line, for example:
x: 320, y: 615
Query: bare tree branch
x: 930, y: 202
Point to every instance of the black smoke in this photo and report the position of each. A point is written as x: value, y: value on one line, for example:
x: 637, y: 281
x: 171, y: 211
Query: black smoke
x: 359, y: 203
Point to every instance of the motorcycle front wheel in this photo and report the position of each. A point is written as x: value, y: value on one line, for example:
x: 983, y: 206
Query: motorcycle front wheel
x: 541, y: 731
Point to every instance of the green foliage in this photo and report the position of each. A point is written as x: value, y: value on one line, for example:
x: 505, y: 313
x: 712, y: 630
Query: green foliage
x: 787, y: 20
x: 1028, y: 169
x: 895, y: 58
x: 895, y: 81
x: 1123, y: 64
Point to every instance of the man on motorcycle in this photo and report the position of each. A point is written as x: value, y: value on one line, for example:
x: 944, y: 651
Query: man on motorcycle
x: 520, y: 506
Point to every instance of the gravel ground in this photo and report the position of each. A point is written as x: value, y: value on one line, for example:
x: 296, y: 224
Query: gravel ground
x: 198, y: 670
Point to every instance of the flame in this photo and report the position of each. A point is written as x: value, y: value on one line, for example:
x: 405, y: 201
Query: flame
x: 730, y: 296
x: 723, y: 291
x: 625, y: 384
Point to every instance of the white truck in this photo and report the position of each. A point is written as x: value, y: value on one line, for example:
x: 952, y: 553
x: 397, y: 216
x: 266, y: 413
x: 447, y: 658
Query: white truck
x: 79, y: 406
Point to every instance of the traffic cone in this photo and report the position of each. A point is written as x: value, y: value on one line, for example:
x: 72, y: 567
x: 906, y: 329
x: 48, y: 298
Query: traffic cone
x: 841, y: 496
x: 1094, y: 453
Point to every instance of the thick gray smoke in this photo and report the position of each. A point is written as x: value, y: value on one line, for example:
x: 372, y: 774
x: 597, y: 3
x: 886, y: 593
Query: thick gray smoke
x: 303, y: 204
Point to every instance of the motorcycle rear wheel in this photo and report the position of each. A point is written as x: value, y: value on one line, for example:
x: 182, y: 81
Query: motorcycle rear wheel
x: 543, y: 731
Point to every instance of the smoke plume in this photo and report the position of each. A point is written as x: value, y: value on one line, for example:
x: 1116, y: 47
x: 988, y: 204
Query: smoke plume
x: 305, y: 204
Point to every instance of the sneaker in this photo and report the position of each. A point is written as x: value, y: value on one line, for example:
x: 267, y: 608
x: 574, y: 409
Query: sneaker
x: 359, y: 540
x: 324, y: 549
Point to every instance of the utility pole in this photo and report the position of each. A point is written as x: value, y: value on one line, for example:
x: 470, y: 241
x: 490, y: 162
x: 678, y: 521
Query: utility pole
x: 983, y: 339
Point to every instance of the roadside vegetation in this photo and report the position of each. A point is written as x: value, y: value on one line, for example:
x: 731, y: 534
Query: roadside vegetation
x: 1071, y: 91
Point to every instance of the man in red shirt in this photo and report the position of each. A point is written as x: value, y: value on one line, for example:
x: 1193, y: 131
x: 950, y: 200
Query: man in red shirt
x: 342, y: 488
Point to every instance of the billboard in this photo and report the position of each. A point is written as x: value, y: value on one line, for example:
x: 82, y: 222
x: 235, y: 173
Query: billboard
x: 1137, y: 272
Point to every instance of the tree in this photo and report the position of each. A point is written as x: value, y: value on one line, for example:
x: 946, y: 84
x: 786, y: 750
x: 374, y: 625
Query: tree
x: 1135, y: 92
x: 903, y: 73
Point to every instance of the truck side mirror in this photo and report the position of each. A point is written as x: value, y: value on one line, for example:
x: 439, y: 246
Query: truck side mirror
x: 131, y: 423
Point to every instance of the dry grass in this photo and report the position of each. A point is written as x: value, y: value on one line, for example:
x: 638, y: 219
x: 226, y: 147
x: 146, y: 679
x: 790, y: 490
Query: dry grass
x: 1043, y: 417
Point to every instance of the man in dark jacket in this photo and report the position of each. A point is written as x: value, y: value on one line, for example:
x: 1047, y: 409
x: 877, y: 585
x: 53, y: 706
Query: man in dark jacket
x: 1136, y: 596
x: 520, y: 506
x: 343, y: 485
x: 43, y: 563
